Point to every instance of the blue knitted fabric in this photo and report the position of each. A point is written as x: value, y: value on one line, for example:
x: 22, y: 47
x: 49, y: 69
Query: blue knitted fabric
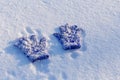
x: 69, y: 37
x: 33, y: 48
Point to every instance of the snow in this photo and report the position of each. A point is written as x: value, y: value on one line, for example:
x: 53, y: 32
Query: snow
x: 98, y: 58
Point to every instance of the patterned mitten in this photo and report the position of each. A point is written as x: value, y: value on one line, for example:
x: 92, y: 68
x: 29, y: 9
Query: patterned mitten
x: 69, y: 37
x: 33, y: 48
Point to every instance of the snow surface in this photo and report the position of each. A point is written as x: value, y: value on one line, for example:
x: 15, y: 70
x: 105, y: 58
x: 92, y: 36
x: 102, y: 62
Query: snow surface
x: 99, y: 57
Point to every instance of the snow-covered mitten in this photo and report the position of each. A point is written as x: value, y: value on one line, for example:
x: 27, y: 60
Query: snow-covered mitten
x: 33, y: 48
x: 69, y: 37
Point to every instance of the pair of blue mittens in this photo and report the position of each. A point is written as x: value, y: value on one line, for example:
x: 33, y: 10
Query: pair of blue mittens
x: 35, y: 49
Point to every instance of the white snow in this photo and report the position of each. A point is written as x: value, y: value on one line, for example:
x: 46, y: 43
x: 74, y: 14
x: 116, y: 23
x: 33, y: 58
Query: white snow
x: 99, y: 57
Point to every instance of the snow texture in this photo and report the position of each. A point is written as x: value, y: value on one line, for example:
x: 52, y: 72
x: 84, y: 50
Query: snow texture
x: 69, y: 36
x: 97, y: 59
x: 33, y: 48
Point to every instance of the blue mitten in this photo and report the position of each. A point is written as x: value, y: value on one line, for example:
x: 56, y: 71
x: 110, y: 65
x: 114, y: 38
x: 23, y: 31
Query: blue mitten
x: 33, y: 48
x: 69, y: 37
